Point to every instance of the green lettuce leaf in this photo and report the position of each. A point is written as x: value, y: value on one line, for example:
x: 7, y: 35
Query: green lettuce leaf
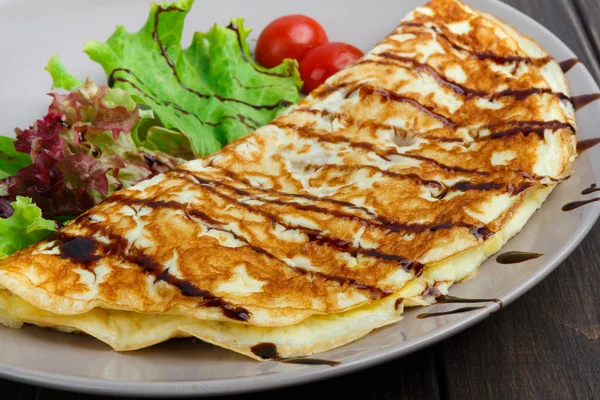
x: 150, y: 135
x: 11, y: 161
x: 211, y: 91
x: 26, y: 226
x: 61, y: 78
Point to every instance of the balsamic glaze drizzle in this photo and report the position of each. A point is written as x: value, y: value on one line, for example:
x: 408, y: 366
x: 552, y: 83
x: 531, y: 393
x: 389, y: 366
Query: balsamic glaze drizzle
x: 233, y: 176
x: 85, y: 249
x: 516, y: 257
x: 235, y: 29
x: 376, y: 293
x: 583, y: 100
x: 147, y: 92
x: 463, y: 90
x: 576, y: 204
x: 586, y: 144
x: 418, y: 67
x: 381, y: 153
x: 79, y: 249
x: 386, y: 95
x: 171, y: 64
x: 113, y: 79
x: 482, y: 55
x: 399, y: 301
x: 567, y: 65
x: 378, y: 222
x: 317, y: 237
x: 268, y: 351
x: 447, y: 299
x: 593, y: 188
x: 457, y: 311
x: 537, y: 127
x: 482, y: 233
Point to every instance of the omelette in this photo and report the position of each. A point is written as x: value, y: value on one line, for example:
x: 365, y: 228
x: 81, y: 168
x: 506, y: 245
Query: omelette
x: 400, y: 175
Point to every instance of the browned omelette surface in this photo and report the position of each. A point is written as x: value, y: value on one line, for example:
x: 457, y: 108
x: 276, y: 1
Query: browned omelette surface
x: 425, y: 148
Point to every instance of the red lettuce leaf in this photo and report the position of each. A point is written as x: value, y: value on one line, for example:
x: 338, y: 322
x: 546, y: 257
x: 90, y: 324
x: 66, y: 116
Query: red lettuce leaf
x: 82, y: 151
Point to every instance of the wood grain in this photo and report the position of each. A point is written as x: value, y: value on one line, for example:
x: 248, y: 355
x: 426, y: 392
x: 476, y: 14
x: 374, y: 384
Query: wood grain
x: 589, y: 12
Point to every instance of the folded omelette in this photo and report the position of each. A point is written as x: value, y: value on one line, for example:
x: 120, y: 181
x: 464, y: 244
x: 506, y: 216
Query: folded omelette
x: 402, y: 173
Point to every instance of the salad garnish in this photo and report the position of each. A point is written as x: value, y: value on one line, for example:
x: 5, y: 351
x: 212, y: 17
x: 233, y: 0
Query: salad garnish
x: 23, y: 227
x: 81, y: 152
x: 211, y: 91
x: 163, y: 105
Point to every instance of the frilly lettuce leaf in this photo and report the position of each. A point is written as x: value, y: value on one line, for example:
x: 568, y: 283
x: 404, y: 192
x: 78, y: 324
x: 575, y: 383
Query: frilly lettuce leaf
x: 82, y: 151
x: 211, y: 91
x: 24, y: 227
x: 61, y: 78
x: 150, y: 135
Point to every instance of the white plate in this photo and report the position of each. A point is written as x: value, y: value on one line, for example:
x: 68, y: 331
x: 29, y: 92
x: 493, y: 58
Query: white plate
x: 33, y: 31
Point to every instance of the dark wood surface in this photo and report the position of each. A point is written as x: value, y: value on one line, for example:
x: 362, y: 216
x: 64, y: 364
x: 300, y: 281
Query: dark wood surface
x: 544, y: 346
x: 589, y: 12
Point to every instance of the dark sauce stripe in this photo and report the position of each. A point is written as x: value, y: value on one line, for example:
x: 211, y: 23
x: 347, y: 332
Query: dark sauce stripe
x: 307, y: 132
x: 583, y: 100
x: 113, y: 79
x: 587, y: 144
x: 171, y: 64
x: 367, y: 90
x: 592, y: 189
x: 447, y: 299
x: 379, y: 222
x: 510, y: 188
x: 391, y: 96
x: 318, y: 237
x: 221, y: 226
x: 235, y: 78
x: 443, y: 189
x: 330, y: 137
x: 268, y: 351
x: 459, y: 89
x: 88, y: 250
x: 441, y: 78
x: 482, y: 55
x: 576, y: 204
x: 238, y: 34
x: 457, y: 311
x: 233, y: 176
x: 516, y: 257
x: 538, y: 128
x: 386, y: 153
x: 567, y: 65
x: 521, y: 95
x: 383, y: 153
x: 526, y: 128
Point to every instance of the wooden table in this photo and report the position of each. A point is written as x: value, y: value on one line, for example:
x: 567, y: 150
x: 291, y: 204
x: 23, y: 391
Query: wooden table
x: 544, y: 346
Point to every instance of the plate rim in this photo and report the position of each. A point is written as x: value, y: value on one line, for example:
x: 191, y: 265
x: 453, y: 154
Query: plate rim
x: 279, y: 380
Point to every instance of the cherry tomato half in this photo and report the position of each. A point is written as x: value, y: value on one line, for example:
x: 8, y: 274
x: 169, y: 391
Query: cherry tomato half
x: 288, y: 37
x: 323, y: 61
